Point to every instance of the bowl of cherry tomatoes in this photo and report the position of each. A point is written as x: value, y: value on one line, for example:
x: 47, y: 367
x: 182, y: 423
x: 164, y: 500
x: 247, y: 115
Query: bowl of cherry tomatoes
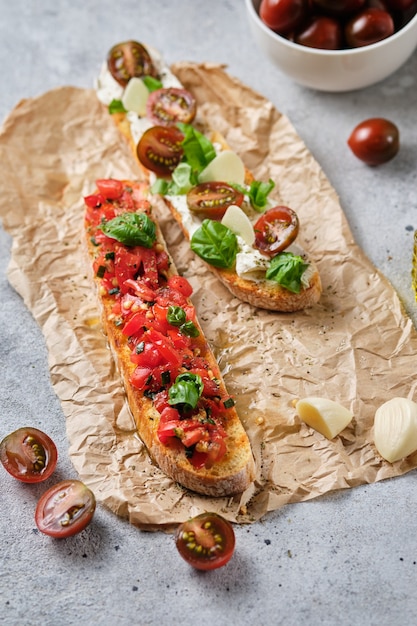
x: 335, y: 45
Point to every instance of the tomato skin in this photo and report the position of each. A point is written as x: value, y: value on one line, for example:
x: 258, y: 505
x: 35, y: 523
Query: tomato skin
x: 275, y: 230
x: 321, y: 32
x: 169, y: 105
x: 65, y: 509
x: 160, y: 150
x: 375, y: 141
x: 282, y: 16
x: 368, y: 27
x: 206, y: 541
x: 211, y: 199
x: 110, y: 188
x: 128, y: 59
x: 29, y: 455
x: 181, y: 284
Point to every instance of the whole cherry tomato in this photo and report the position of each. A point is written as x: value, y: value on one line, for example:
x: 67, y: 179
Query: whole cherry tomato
x: 211, y: 199
x: 283, y: 16
x: 167, y: 106
x: 65, y: 509
x: 321, y: 32
x: 129, y: 59
x: 160, y: 150
x: 339, y: 7
x: 375, y: 141
x: 400, y: 5
x: 29, y: 455
x: 275, y: 230
x: 368, y: 27
x: 206, y: 541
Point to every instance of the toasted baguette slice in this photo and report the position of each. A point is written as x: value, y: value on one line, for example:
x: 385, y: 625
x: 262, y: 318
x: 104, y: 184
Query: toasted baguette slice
x: 235, y: 470
x: 262, y: 293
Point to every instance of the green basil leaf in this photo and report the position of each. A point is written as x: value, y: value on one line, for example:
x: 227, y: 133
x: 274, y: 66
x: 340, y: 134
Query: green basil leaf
x: 116, y: 106
x: 198, y: 150
x: 186, y: 391
x: 215, y: 243
x: 287, y: 269
x: 189, y: 329
x: 258, y: 194
x: 176, y: 315
x: 151, y: 83
x: 131, y: 229
x: 160, y: 186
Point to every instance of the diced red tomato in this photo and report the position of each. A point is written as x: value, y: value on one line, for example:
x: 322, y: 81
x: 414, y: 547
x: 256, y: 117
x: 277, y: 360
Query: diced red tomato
x: 110, y: 188
x: 165, y: 348
x: 181, y: 284
x: 148, y: 357
x: 141, y: 377
x: 140, y: 289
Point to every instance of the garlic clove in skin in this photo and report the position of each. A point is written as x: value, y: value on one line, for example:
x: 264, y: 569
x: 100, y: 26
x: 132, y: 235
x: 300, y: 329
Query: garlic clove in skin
x: 395, y: 429
x: 326, y: 416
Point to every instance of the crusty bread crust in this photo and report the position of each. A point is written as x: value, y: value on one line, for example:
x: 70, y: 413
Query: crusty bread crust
x: 236, y: 470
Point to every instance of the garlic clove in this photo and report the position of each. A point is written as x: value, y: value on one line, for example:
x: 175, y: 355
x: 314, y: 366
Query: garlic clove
x: 226, y: 167
x: 326, y: 416
x: 395, y: 429
x: 239, y: 223
x: 135, y: 96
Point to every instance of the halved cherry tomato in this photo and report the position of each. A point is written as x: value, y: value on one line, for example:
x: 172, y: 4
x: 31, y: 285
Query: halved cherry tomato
x: 29, y: 455
x: 206, y: 541
x: 211, y: 199
x: 368, y: 27
x: 109, y: 188
x: 160, y: 150
x: 375, y: 141
x: 170, y: 105
x: 65, y: 509
x: 283, y: 16
x: 129, y: 59
x: 275, y: 230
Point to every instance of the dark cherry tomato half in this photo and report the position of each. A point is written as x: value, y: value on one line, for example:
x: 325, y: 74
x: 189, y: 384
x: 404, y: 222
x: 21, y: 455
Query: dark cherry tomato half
x: 170, y: 105
x: 206, y: 541
x: 211, y: 199
x: 375, y: 141
x: 160, y: 149
x: 65, y: 509
x: 29, y: 455
x: 128, y: 59
x: 275, y: 230
x: 321, y: 32
x: 368, y: 27
x: 283, y: 16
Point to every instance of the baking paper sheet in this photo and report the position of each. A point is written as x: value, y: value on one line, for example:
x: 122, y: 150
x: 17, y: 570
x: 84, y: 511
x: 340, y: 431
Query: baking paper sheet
x: 356, y: 346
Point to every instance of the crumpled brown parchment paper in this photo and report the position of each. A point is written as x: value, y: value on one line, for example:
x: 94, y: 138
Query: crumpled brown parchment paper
x: 356, y: 346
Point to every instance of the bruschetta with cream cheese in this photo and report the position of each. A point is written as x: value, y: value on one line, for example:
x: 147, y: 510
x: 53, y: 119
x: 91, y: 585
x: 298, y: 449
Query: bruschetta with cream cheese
x: 183, y: 413
x: 225, y: 214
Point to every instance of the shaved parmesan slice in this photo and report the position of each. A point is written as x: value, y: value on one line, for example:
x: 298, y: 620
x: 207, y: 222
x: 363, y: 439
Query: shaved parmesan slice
x: 135, y: 96
x: 239, y: 223
x: 395, y: 429
x: 226, y: 167
x: 326, y: 416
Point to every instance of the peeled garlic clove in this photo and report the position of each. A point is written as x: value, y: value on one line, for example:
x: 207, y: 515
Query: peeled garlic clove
x: 239, y: 223
x: 135, y: 96
x: 226, y: 167
x: 395, y: 429
x: 326, y: 416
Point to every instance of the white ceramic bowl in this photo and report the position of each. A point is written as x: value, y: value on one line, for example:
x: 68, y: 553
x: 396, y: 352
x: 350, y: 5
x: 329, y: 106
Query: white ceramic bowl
x: 334, y: 70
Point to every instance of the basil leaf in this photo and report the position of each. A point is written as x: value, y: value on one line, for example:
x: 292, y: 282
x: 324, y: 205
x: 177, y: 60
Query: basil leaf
x: 176, y: 315
x: 186, y: 391
x: 116, y: 106
x: 198, y: 150
x: 189, y: 329
x: 151, y: 83
x: 286, y: 269
x: 215, y: 243
x: 132, y: 229
x: 160, y: 186
x: 258, y: 194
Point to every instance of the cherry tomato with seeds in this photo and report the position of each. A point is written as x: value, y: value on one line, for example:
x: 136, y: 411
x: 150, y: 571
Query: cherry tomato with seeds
x: 128, y: 59
x: 275, y: 230
x: 368, y: 27
x: 29, y: 455
x: 375, y: 141
x: 160, y: 149
x: 283, y: 16
x: 170, y: 105
x: 211, y: 199
x: 206, y: 541
x: 65, y: 509
x: 321, y: 32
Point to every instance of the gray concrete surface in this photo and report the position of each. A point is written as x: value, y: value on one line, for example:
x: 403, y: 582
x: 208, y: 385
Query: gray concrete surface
x: 349, y: 558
